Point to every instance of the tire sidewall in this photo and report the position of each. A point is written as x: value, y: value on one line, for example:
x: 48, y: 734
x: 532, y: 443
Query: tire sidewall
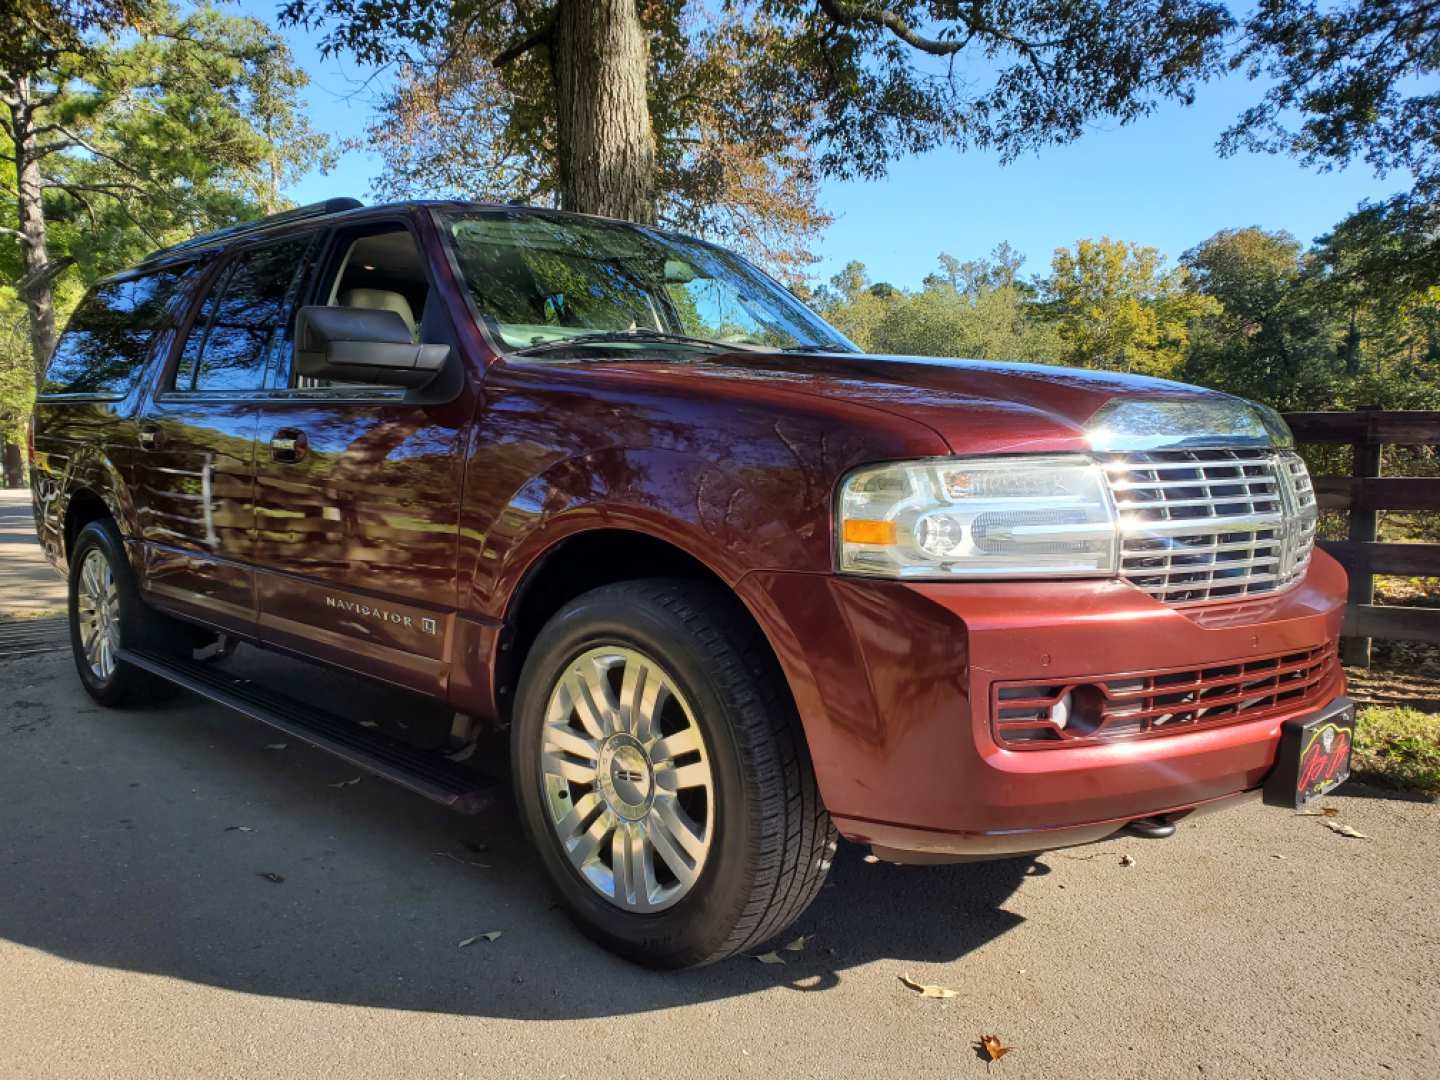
x: 698, y: 924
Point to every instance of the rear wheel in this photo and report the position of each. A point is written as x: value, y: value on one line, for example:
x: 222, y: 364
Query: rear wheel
x: 106, y: 613
x: 663, y: 776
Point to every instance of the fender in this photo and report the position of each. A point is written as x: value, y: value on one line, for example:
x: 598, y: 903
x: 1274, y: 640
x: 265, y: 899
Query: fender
x: 86, y: 468
x: 699, y: 507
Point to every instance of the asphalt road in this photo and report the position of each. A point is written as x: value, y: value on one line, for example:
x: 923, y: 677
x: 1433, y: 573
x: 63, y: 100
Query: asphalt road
x: 27, y: 582
x: 139, y: 939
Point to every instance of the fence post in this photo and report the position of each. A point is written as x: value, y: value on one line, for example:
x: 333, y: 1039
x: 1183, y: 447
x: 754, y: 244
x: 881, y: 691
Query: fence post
x: 1364, y: 528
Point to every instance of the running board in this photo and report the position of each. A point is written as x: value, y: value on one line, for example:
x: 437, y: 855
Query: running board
x: 421, y: 771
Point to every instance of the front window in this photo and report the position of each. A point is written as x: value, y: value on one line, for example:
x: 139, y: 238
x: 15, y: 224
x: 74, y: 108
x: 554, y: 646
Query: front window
x: 542, y: 281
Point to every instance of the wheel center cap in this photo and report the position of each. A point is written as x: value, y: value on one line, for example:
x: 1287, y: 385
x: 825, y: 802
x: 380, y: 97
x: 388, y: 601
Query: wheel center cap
x: 626, y: 779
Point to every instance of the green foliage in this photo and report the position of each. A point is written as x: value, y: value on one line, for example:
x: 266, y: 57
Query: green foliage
x: 1116, y: 305
x: 975, y: 309
x: 186, y: 122
x: 1360, y: 77
x: 1353, y: 321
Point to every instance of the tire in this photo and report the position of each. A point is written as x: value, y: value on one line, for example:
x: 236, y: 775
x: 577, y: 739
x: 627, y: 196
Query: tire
x: 98, y: 564
x: 739, y: 780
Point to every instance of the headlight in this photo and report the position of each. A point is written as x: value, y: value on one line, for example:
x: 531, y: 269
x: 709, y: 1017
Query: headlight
x: 984, y: 517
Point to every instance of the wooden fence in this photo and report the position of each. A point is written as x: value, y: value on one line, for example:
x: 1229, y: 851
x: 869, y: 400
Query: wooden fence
x: 1364, y: 493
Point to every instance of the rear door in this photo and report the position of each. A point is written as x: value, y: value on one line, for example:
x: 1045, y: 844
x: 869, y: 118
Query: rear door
x: 358, y: 492
x: 196, y: 503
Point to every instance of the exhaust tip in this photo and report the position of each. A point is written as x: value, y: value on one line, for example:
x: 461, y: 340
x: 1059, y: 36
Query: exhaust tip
x: 1151, y: 828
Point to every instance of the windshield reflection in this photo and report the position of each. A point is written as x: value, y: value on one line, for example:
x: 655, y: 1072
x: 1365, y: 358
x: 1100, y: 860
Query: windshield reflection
x: 541, y: 279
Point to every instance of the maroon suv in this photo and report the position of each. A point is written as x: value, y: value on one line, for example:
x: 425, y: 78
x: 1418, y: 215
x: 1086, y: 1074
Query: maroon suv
x: 730, y: 585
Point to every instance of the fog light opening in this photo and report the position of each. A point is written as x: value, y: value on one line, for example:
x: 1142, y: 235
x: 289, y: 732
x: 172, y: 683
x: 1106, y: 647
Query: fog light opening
x: 1081, y: 709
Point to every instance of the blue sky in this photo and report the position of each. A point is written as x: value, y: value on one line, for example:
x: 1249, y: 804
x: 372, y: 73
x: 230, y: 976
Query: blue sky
x: 1157, y: 181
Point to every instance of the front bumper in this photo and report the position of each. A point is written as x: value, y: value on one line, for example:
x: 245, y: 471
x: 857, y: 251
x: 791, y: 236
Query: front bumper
x: 893, y: 684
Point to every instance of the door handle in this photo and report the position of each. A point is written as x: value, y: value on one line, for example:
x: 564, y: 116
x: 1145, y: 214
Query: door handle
x: 289, y: 445
x: 149, y: 436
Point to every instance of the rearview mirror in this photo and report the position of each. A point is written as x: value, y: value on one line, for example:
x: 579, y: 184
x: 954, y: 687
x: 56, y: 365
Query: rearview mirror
x: 363, y: 345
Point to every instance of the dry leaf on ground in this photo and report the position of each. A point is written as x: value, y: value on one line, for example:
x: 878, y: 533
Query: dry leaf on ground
x: 1127, y: 860
x: 798, y: 945
x: 994, y: 1047
x: 238, y: 828
x: 927, y: 990
x: 489, y: 935
x: 347, y: 783
x: 462, y: 862
x: 271, y: 876
x: 1324, y: 811
x: 769, y: 958
x: 1344, y: 830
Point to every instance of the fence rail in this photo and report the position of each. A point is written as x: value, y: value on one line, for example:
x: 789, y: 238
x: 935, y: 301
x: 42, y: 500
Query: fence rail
x: 1363, y: 494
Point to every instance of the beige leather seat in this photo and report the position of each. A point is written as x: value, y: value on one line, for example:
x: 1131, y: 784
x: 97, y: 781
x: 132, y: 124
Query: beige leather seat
x: 379, y: 300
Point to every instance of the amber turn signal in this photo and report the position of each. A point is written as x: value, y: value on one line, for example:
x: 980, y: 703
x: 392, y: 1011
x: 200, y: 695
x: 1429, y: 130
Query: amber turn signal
x: 869, y: 532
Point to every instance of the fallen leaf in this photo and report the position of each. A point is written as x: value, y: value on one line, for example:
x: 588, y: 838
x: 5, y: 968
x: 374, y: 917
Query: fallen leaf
x: 1127, y: 860
x: 770, y: 958
x: 994, y: 1047
x: 490, y: 935
x: 1277, y: 856
x: 238, y: 828
x: 347, y: 783
x: 798, y: 945
x: 871, y: 859
x: 1344, y: 830
x: 926, y: 990
x: 1324, y: 811
x: 276, y: 745
x: 270, y: 875
x: 462, y: 862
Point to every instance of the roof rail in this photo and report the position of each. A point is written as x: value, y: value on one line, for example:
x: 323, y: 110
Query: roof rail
x: 300, y: 213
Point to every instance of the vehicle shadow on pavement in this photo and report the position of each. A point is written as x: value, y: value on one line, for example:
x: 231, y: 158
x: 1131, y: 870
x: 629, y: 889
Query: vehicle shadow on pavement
x: 139, y: 840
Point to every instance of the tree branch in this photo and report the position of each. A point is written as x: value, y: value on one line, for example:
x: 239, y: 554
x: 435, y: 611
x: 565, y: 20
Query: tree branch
x: 541, y: 35
x: 43, y: 275
x: 843, y: 14
x: 15, y: 233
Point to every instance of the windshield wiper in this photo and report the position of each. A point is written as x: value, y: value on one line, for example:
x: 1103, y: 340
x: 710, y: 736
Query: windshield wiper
x: 638, y: 334
x: 815, y: 349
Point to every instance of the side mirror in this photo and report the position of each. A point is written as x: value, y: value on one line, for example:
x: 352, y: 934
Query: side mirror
x: 364, y: 345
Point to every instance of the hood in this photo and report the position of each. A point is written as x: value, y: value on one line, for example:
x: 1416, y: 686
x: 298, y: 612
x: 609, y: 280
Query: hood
x: 976, y: 406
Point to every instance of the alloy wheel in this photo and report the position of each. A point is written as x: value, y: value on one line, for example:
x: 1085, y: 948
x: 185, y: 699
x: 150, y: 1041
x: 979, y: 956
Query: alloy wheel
x: 627, y: 779
x: 98, y: 613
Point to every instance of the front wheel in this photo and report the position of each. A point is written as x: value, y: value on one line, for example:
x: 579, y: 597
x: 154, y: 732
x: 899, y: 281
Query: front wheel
x: 663, y: 777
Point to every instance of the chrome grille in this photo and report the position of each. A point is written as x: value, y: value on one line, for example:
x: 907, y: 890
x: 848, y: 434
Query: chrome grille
x: 1212, y: 524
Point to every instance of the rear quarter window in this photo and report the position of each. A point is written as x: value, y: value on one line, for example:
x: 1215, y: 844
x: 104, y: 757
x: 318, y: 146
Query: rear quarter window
x: 111, y: 334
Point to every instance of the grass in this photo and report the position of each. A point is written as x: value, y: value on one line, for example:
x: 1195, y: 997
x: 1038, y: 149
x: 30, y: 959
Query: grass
x: 1399, y: 748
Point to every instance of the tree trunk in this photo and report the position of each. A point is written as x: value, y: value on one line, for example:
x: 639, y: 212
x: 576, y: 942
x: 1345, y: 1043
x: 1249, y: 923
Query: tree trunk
x: 35, y: 280
x: 1352, y: 345
x: 600, y: 61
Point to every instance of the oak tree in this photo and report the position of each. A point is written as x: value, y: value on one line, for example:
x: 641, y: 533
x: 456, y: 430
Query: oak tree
x: 854, y: 83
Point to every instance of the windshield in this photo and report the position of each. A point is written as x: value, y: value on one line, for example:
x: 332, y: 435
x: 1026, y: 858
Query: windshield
x: 539, y: 280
